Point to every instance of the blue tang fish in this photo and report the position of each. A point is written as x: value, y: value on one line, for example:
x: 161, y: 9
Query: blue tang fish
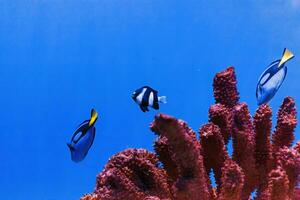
x: 272, y: 78
x: 83, y: 138
x: 147, y: 97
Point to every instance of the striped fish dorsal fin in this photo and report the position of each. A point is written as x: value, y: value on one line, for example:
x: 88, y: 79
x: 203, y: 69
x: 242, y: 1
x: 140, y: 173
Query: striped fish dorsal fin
x: 286, y: 56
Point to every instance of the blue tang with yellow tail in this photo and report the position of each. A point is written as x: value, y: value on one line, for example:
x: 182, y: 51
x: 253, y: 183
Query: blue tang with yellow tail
x: 272, y: 78
x: 83, y: 138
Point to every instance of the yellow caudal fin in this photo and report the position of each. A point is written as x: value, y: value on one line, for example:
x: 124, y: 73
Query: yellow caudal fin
x: 286, y: 56
x: 94, y: 117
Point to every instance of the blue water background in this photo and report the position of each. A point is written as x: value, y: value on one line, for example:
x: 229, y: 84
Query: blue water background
x: 60, y: 58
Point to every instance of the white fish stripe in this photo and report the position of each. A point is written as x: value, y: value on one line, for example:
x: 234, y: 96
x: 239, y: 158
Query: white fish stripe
x: 151, y: 99
x: 139, y: 98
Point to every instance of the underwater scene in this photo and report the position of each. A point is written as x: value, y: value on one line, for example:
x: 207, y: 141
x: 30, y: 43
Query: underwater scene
x: 149, y: 100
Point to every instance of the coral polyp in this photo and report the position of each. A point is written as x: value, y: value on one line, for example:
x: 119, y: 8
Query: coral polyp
x: 182, y: 163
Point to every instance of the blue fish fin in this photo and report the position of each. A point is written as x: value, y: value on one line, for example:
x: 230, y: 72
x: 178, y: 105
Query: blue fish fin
x: 70, y: 147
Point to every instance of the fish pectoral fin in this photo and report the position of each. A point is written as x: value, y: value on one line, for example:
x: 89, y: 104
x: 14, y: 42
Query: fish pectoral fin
x: 94, y: 117
x: 286, y: 56
x: 70, y: 147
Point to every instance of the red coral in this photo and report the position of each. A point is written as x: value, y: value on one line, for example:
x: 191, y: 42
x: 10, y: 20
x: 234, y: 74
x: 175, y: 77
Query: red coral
x: 297, y: 194
x: 232, y: 181
x: 90, y: 197
x: 272, y: 167
x: 297, y: 147
x: 289, y: 159
x: 213, y: 150
x: 166, y: 156
x: 243, y: 146
x: 152, y: 198
x: 278, y: 186
x: 222, y: 117
x: 286, y: 123
x: 263, y: 154
x: 192, y: 181
x: 225, y: 91
x: 132, y: 174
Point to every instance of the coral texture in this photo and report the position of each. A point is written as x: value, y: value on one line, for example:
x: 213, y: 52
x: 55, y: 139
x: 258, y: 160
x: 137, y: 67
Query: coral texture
x: 181, y: 165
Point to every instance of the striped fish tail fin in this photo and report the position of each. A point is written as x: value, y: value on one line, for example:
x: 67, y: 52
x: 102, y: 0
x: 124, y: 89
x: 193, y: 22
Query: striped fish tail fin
x: 162, y: 99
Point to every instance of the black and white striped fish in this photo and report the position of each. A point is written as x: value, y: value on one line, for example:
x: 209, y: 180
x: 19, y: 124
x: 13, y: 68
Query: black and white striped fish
x: 147, y: 97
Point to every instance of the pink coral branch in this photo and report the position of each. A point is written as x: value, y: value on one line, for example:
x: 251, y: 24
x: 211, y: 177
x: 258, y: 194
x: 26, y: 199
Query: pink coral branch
x: 213, y: 150
x: 152, y: 198
x: 243, y: 146
x: 222, y: 117
x: 165, y: 155
x: 90, y: 197
x: 297, y: 147
x: 277, y: 186
x: 263, y: 153
x: 114, y: 184
x: 297, y: 193
x: 232, y: 181
x: 289, y: 159
x: 225, y: 91
x: 192, y: 182
x: 286, y: 123
x: 132, y: 174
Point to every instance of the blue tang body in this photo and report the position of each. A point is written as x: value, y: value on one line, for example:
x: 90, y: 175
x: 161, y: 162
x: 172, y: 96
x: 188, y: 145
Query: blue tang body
x: 272, y: 78
x: 269, y: 82
x: 83, y: 139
